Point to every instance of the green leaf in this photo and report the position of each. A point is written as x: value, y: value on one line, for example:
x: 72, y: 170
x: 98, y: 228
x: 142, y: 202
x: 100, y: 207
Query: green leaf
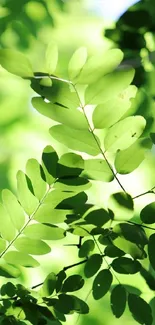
x: 51, y: 57
x: 49, y: 285
x: 26, y: 198
x: 65, y: 304
x: 79, y: 140
x: 35, y: 172
x: 125, y: 265
x: 77, y: 62
x: 124, y: 133
x: 31, y: 246
x: 49, y: 163
x: 8, y: 289
x: 122, y: 206
x: 41, y: 231
x: 56, y: 196
x: 60, y: 278
x: 133, y: 233
x: 8, y: 270
x: 70, y: 164
x: 118, y: 300
x: 100, y: 64
x: 2, y: 245
x: 16, y: 63
x: 110, y: 85
x: 97, y: 217
x: 20, y: 258
x: 134, y: 250
x: 70, y: 117
x: 92, y: 265
x: 124, y: 162
x: 111, y: 111
x: 7, y: 228
x: 98, y: 170
x: 102, y: 284
x: 46, y: 214
x: 140, y: 309
x: 151, y: 250
x: 73, y: 283
x: 77, y: 184
x: 80, y: 306
x: 147, y: 214
x: 113, y: 251
x: 86, y: 248
x: 14, y: 209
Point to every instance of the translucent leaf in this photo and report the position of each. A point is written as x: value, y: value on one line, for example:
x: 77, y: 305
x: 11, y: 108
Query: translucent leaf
x: 113, y: 251
x: 99, y: 65
x: 51, y: 57
x: 77, y: 202
x: 97, y: 217
x: 47, y: 231
x: 122, y: 206
x: 110, y: 85
x: 147, y: 214
x: 49, y: 163
x: 8, y: 270
x: 118, y: 300
x: 70, y: 164
x: 77, y: 184
x: 97, y: 169
x: 7, y: 228
x: 102, y: 284
x: 46, y: 214
x: 2, y: 245
x: 124, y: 133
x: 73, y: 283
x: 60, y: 278
x: 26, y: 198
x: 111, y: 111
x: 92, y: 265
x: 14, y: 209
x: 133, y: 233
x: 56, y: 196
x: 31, y: 246
x: 140, y: 309
x: 77, y: 62
x: 79, y: 140
x: 86, y: 248
x: 124, y: 162
x: 16, y: 63
x: 130, y: 248
x: 65, y: 115
x: 48, y: 285
x: 35, y: 173
x: 125, y: 265
x: 20, y: 258
x: 151, y: 250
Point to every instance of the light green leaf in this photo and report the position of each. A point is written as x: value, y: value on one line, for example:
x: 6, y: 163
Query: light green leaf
x: 70, y: 164
x: 49, y: 163
x: 7, y: 229
x: 111, y: 111
x: 47, y: 231
x: 75, y: 139
x: 20, y: 258
x: 100, y: 64
x: 16, y: 63
x: 77, y: 62
x: 8, y: 270
x: 118, y: 300
x: 57, y: 196
x: 110, y: 85
x: 51, y: 57
x: 140, y: 309
x: 68, y: 116
x: 92, y: 265
x: 124, y: 162
x: 124, y: 133
x: 77, y: 184
x: 98, y: 170
x: 130, y: 248
x: 13, y: 208
x: 122, y: 206
x: 147, y: 214
x: 46, y: 214
x: 35, y: 172
x: 26, y: 198
x: 32, y: 246
x: 49, y: 285
x: 102, y: 284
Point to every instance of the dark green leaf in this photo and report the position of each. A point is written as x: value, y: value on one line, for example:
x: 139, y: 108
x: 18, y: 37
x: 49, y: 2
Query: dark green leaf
x: 80, y: 306
x: 118, y: 300
x: 70, y: 164
x: 76, y: 184
x: 60, y: 278
x: 73, y: 283
x: 97, y: 169
x: 97, y: 217
x: 92, y: 265
x: 151, y: 246
x: 125, y: 265
x: 113, y: 251
x: 65, y: 304
x: 102, y: 284
x: 133, y: 233
x: 140, y: 309
x: 134, y: 250
x: 8, y: 289
x: 49, y: 163
x: 86, y: 248
x: 147, y: 214
x: 48, y: 285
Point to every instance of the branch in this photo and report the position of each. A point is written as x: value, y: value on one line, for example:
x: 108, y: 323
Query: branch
x: 140, y: 225
x: 144, y: 193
